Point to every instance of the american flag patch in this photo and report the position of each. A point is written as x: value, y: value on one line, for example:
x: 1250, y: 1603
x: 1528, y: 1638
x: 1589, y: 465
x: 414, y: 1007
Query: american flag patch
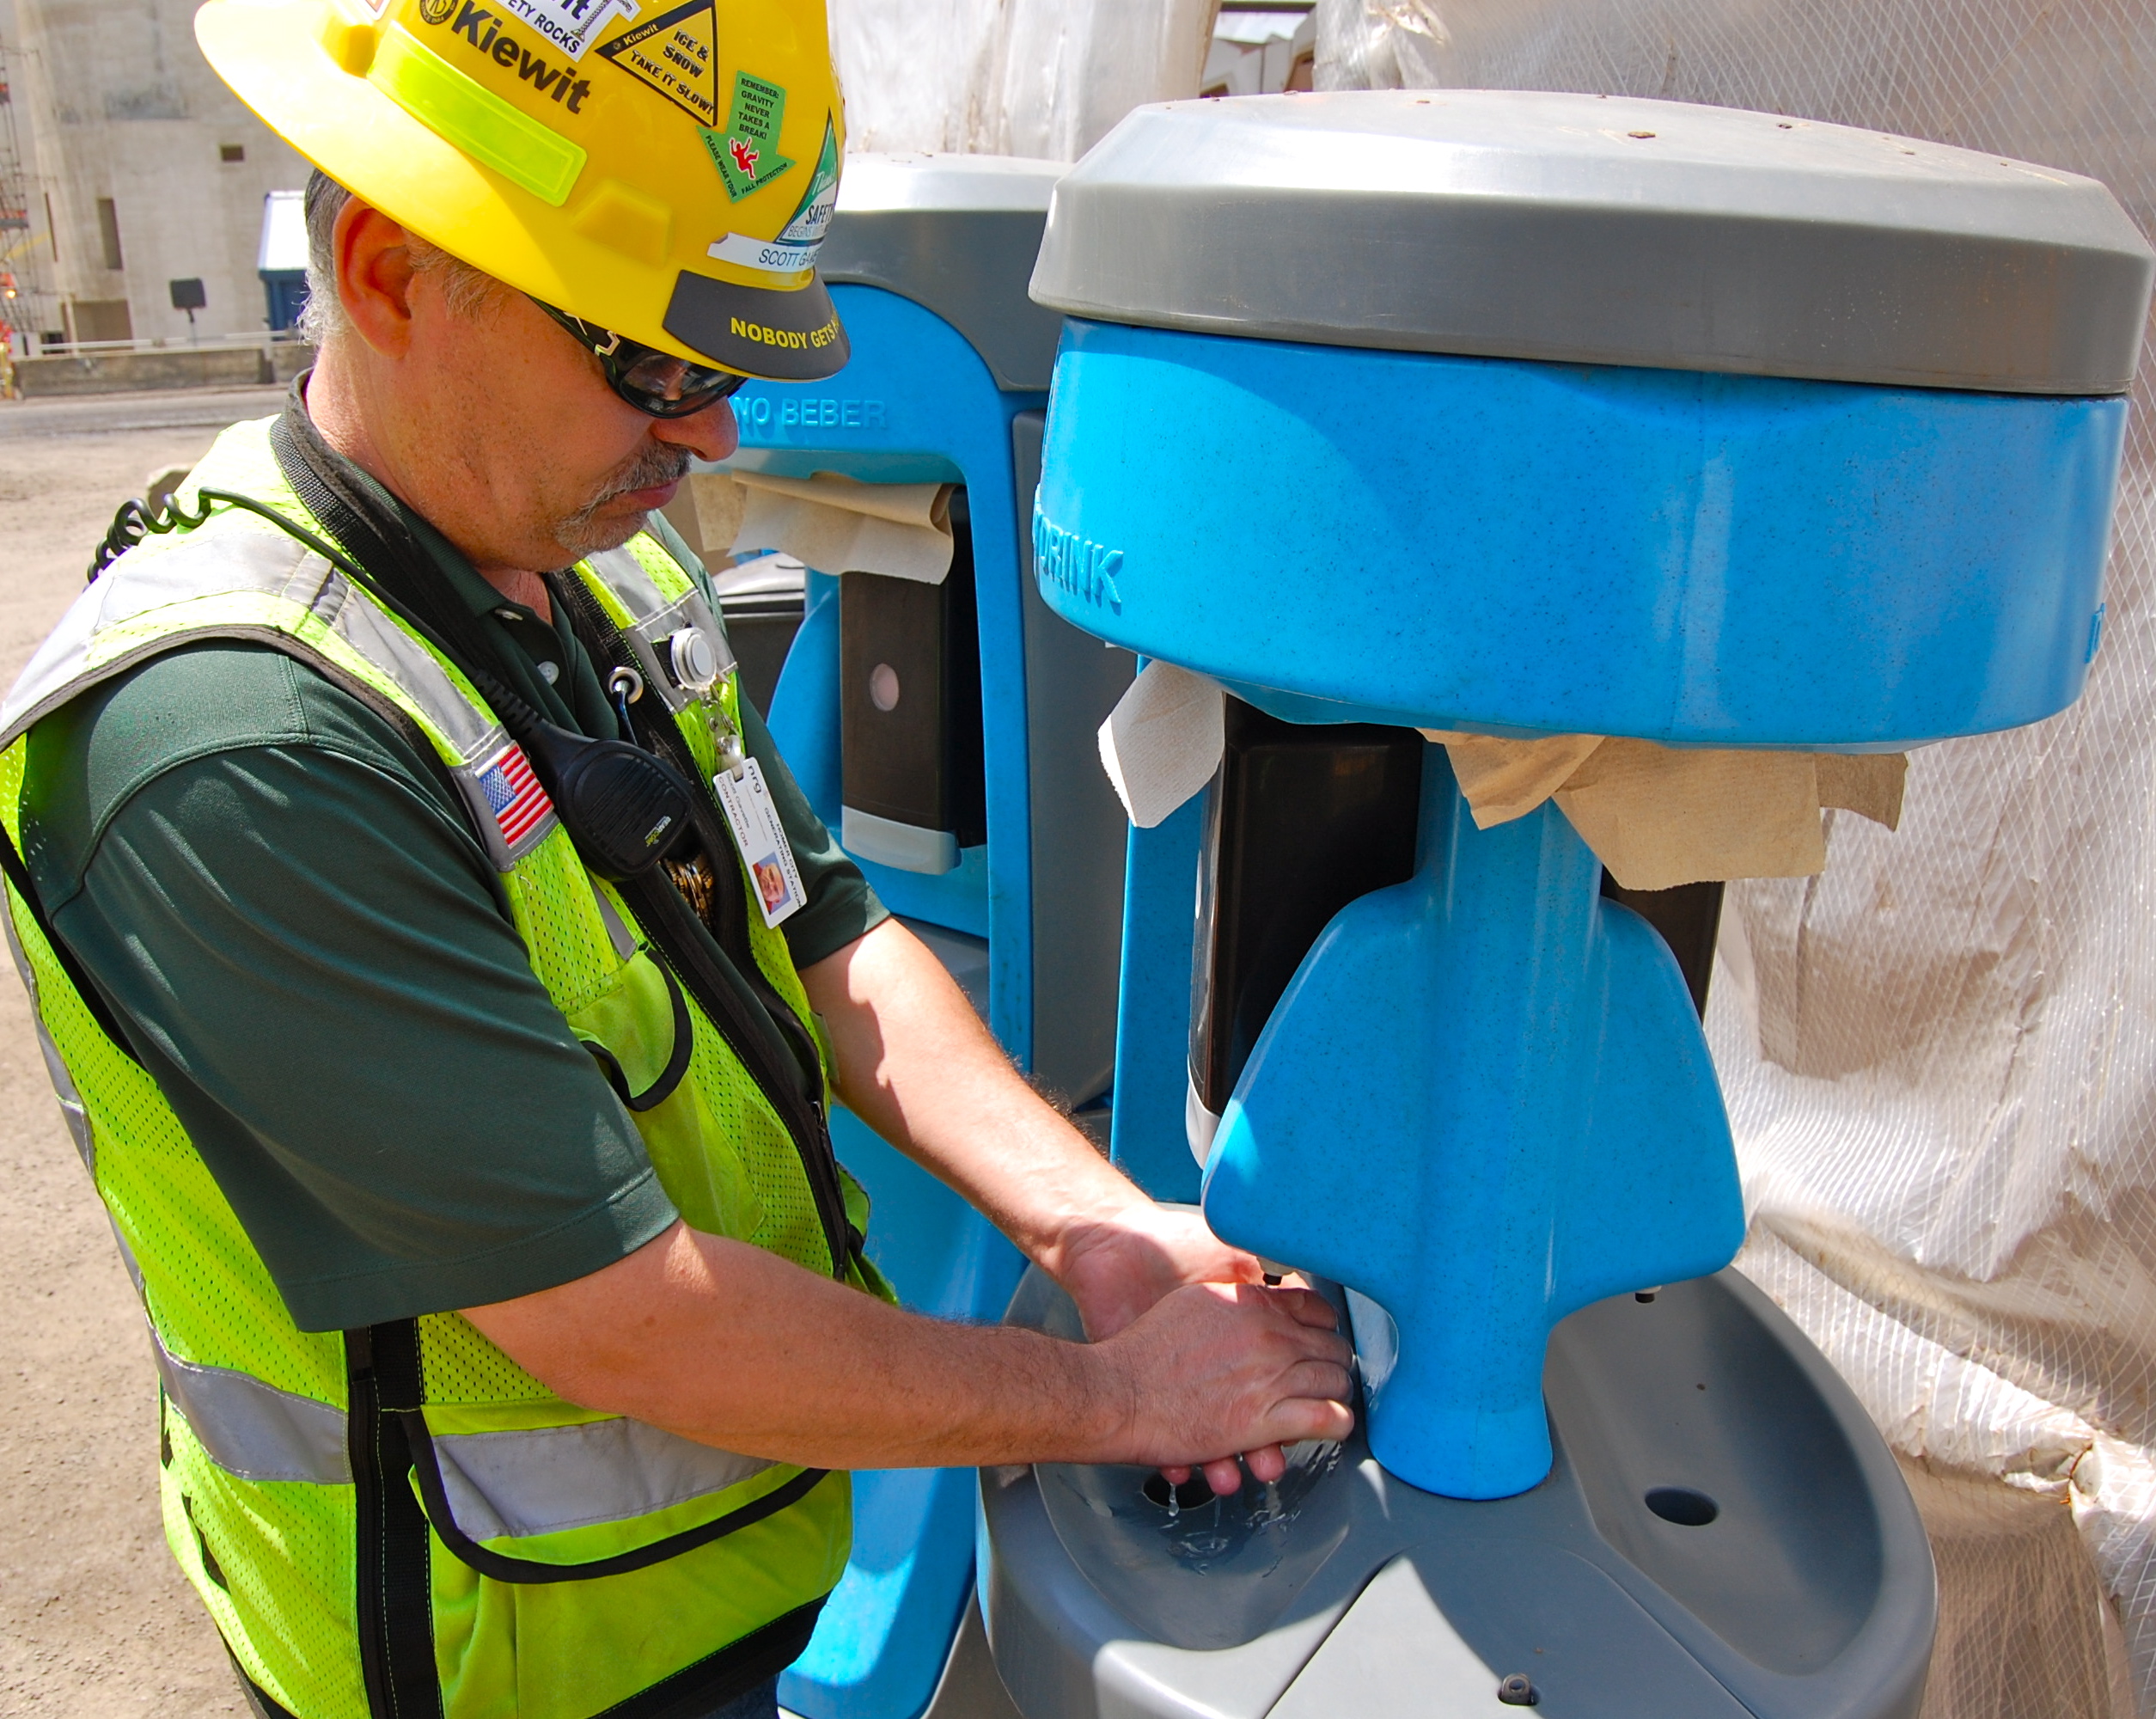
x: 520, y: 805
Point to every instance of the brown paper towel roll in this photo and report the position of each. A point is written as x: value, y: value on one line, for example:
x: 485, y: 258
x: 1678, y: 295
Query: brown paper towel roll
x: 719, y: 502
x: 839, y: 525
x: 1661, y: 816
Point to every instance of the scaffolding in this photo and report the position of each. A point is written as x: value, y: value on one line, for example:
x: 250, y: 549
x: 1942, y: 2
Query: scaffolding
x: 25, y: 297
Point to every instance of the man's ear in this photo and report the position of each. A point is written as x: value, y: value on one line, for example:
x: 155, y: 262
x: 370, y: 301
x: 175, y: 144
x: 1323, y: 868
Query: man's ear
x: 374, y: 277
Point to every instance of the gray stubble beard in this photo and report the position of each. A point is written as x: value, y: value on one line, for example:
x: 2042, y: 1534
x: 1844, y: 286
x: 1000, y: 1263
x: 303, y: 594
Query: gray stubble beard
x: 581, y: 535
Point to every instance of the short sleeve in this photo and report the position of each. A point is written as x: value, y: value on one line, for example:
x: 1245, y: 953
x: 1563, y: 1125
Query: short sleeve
x: 276, y: 893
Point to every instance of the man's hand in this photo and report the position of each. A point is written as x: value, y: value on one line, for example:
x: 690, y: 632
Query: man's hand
x: 914, y: 1063
x: 1115, y: 1267
x: 1205, y: 1360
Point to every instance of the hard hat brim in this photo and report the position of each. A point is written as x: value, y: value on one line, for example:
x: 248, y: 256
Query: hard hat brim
x: 782, y: 336
x: 274, y: 57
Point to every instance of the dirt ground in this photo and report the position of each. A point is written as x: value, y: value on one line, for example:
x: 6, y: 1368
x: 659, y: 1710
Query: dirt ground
x: 94, y: 1620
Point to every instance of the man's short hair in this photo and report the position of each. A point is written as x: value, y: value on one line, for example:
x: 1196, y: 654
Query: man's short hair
x: 466, y: 289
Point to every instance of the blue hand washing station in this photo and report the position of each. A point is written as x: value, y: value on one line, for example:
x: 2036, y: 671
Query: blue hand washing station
x: 1524, y: 415
x: 946, y: 731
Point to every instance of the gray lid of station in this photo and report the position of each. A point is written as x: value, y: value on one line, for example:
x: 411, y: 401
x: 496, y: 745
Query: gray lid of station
x: 1581, y: 228
x: 957, y: 235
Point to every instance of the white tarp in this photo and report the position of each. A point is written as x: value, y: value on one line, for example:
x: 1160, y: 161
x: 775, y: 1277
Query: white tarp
x: 1940, y: 1056
x: 1046, y: 78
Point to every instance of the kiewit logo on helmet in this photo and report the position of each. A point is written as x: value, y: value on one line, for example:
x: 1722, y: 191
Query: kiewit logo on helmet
x: 480, y: 27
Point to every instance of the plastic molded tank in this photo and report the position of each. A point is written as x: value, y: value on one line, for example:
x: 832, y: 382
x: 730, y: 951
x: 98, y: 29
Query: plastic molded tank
x: 928, y: 258
x: 1532, y: 414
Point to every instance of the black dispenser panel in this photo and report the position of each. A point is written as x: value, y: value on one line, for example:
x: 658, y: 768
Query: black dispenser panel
x: 1688, y: 918
x: 909, y: 663
x: 1301, y: 820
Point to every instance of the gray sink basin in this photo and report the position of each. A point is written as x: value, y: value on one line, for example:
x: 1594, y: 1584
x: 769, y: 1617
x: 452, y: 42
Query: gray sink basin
x: 1724, y: 1534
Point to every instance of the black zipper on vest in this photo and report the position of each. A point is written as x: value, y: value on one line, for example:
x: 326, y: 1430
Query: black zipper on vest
x: 394, y: 1599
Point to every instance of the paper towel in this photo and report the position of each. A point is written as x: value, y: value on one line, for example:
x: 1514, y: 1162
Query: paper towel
x: 1661, y: 816
x: 1656, y: 816
x: 839, y: 525
x: 1162, y: 741
x: 718, y: 501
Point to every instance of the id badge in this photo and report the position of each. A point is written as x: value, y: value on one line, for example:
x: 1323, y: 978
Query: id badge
x: 745, y: 800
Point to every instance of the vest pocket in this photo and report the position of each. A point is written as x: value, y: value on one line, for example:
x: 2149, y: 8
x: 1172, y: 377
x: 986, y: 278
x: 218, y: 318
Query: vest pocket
x: 640, y: 1032
x: 596, y: 1498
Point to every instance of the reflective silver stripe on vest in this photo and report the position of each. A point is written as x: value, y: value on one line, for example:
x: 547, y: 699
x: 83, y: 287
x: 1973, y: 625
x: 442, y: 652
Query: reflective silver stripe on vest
x: 251, y: 1429
x: 620, y: 571
x: 653, y: 621
x: 516, y: 1484
x: 238, y: 555
x: 71, y: 1110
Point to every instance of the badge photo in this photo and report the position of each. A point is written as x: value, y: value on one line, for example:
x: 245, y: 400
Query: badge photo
x: 750, y: 813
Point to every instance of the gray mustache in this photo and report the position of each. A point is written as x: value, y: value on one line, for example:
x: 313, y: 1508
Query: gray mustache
x: 654, y: 466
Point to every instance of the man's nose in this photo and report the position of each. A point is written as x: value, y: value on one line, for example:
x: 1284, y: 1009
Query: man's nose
x: 710, y: 434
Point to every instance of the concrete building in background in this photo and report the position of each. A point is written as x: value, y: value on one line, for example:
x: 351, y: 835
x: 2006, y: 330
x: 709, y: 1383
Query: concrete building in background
x: 144, y: 173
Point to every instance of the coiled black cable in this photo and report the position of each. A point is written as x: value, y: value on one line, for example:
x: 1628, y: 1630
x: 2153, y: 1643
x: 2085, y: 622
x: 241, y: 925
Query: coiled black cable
x: 136, y: 519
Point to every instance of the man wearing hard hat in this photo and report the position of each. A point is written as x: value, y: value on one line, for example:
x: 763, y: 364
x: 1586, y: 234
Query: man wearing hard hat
x: 377, y: 824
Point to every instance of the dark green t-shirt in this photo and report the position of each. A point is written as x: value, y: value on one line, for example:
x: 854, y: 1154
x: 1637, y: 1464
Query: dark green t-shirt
x: 284, y: 895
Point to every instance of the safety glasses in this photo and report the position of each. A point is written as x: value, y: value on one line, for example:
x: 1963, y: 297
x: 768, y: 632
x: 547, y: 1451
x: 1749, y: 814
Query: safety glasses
x: 657, y: 383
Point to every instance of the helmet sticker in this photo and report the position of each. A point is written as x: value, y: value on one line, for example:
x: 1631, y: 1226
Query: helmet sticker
x: 802, y: 237
x: 746, y: 151
x: 569, y: 25
x: 677, y: 54
x: 482, y: 28
x: 812, y: 216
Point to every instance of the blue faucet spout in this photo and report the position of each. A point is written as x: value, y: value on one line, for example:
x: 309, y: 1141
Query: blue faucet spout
x: 1483, y: 1101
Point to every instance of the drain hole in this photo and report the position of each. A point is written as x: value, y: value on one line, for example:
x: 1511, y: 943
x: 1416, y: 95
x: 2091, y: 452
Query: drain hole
x: 1682, y: 1506
x: 1191, y: 1494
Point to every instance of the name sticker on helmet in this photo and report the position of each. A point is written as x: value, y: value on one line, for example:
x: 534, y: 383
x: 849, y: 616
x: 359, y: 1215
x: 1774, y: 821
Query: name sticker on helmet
x: 769, y: 256
x: 677, y: 54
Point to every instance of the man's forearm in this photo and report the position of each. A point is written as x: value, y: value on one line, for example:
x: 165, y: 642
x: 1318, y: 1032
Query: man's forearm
x: 739, y: 1347
x: 721, y: 1341
x: 915, y: 1063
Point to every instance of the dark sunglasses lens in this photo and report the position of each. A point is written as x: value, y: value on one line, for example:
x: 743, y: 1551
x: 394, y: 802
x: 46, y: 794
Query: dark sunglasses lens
x: 669, y: 387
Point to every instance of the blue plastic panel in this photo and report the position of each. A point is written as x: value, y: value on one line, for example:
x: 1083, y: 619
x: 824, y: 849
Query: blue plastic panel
x: 887, y: 1630
x: 1148, y: 1139
x: 1484, y: 1102
x: 1703, y: 559
x: 916, y: 405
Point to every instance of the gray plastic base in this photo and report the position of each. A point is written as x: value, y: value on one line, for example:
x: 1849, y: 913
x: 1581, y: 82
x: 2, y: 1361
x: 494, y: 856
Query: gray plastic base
x: 1341, y: 1592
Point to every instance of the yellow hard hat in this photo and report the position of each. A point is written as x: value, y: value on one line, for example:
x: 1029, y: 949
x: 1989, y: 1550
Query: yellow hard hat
x: 663, y: 169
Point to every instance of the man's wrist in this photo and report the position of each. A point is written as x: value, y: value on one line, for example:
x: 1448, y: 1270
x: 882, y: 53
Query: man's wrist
x: 1103, y: 1385
x: 1087, y: 1221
